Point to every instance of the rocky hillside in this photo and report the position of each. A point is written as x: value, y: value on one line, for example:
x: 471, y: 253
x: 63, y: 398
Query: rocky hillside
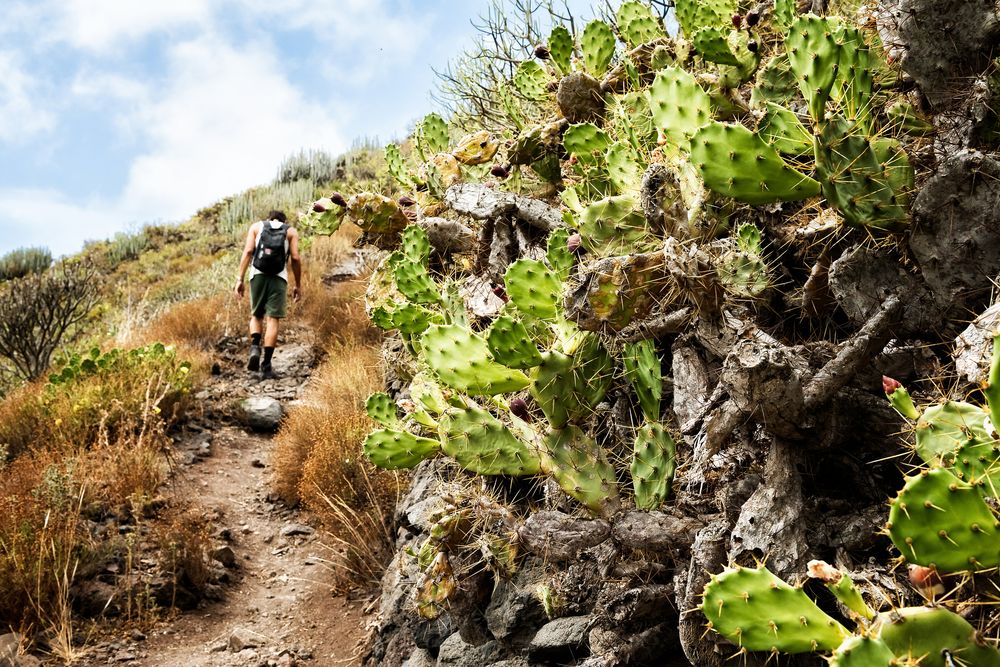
x: 680, y: 353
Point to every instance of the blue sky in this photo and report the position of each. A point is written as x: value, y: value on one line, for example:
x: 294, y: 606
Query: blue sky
x: 114, y: 113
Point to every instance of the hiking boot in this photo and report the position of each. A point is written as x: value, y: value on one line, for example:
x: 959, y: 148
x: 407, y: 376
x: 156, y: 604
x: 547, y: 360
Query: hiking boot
x: 267, y: 373
x: 254, y: 363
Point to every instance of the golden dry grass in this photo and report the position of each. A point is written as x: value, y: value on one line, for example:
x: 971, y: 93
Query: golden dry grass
x: 199, y: 323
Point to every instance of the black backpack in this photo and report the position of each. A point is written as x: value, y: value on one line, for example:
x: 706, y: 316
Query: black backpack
x: 270, y: 256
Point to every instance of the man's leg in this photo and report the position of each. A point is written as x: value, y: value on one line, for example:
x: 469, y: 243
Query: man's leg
x: 256, y: 327
x: 270, y: 342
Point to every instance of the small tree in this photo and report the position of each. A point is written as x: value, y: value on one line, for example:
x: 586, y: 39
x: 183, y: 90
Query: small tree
x: 19, y: 263
x: 38, y: 310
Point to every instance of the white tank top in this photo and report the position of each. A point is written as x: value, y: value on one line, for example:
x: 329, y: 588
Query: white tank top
x: 258, y: 228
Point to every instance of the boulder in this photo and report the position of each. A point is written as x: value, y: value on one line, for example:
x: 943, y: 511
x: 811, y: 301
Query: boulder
x: 262, y: 413
x: 561, y: 640
x: 456, y: 652
x: 559, y: 537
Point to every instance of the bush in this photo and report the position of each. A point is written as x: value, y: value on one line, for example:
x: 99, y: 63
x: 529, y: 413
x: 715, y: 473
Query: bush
x: 318, y: 462
x: 248, y: 207
x: 19, y: 263
x: 315, y: 166
x: 127, y: 247
x: 37, y: 312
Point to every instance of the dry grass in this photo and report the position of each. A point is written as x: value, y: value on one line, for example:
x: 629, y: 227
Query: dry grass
x: 199, y: 323
x: 318, y: 462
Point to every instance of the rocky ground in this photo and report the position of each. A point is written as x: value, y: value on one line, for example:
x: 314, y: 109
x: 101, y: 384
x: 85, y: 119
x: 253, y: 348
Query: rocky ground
x: 269, y: 602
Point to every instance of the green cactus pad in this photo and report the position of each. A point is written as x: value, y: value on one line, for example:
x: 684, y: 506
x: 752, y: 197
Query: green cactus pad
x: 936, y: 637
x: 597, y: 43
x: 534, y: 288
x: 693, y: 15
x: 415, y: 245
x: 938, y: 520
x: 863, y: 652
x: 531, y: 80
x: 977, y: 462
x: 737, y: 163
x: 412, y: 319
x: 511, y: 344
x: 678, y: 104
x: 376, y: 214
x: 637, y: 24
x: 758, y: 611
x: 814, y: 55
x: 397, y: 167
x: 784, y: 14
x: 461, y: 359
x: 431, y: 136
x: 567, y: 388
x: 943, y: 428
x: 643, y: 371
x: 712, y: 44
x: 380, y: 407
x: 775, y: 83
x: 654, y: 461
x: 782, y: 129
x: 586, y: 141
x: 992, y: 389
x: 394, y: 449
x: 904, y: 116
x: 415, y: 283
x: 854, y: 86
x: 624, y: 170
x: 483, y: 445
x: 561, y: 48
x: 557, y: 253
x: 428, y: 394
x: 580, y: 467
x: 613, y: 226
x: 743, y: 275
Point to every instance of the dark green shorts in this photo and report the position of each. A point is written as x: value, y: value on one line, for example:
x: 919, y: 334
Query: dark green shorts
x: 268, y: 296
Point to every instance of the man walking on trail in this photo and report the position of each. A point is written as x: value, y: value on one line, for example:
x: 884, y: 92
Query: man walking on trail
x: 270, y: 246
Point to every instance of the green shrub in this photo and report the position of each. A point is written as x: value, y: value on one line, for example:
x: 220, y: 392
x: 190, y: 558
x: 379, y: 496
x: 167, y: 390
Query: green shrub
x: 125, y: 247
x: 19, y: 263
x: 310, y: 165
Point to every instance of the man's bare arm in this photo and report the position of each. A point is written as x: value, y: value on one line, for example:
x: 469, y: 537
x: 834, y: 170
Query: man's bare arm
x: 248, y: 250
x: 296, y: 262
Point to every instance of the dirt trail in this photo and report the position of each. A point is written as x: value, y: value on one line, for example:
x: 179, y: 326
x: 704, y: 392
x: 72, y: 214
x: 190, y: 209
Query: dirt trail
x: 277, y: 608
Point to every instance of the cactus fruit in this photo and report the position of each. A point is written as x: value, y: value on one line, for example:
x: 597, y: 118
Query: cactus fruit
x: 376, y: 214
x: 531, y: 80
x: 612, y: 226
x: 939, y: 521
x: 579, y: 466
x: 842, y: 586
x: 461, y: 359
x: 431, y: 136
x: 943, y: 428
x: 580, y: 98
x: 480, y: 443
x: 476, y: 148
x: 395, y: 449
x: 643, y: 371
x: 511, y: 344
x: 678, y: 104
x: 534, y: 288
x: 935, y: 637
x: 758, y: 611
x: 380, y: 408
x: 637, y: 24
x: 654, y: 461
x: 737, y: 163
x: 561, y: 49
x: 693, y: 15
x: 899, y: 398
x: 863, y: 652
x: 597, y: 43
x: 586, y: 141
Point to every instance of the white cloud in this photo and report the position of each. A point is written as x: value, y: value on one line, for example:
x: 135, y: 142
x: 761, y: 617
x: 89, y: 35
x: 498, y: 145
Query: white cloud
x: 21, y: 115
x: 40, y: 217
x: 103, y: 25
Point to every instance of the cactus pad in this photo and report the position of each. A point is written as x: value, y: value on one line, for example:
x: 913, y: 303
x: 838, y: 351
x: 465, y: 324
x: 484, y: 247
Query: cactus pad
x: 938, y: 520
x: 712, y: 44
x: 598, y: 46
x: 476, y: 148
x: 678, y: 104
x: 412, y: 319
x: 431, y: 135
x: 534, y: 288
x: 782, y: 129
x: 561, y: 48
x: 758, y: 611
x: 393, y: 449
x: 567, y: 388
x: 614, y: 291
x: 654, y: 461
x: 624, y: 170
x: 557, y: 253
x: 580, y: 467
x: 483, y: 445
x: 643, y: 371
x: 637, y: 24
x: 586, y: 141
x: 461, y: 359
x: 775, y: 83
x: 415, y: 283
x: 376, y: 214
x: 531, y: 80
x: 943, y: 428
x: 612, y: 226
x: 427, y: 393
x: 814, y: 55
x: 415, y: 245
x: 397, y: 167
x: 863, y: 652
x: 737, y: 163
x: 380, y: 407
x: 693, y: 15
x: 936, y: 637
x: 511, y: 344
x: 978, y: 463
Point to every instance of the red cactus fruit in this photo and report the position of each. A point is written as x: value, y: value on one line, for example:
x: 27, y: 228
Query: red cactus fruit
x: 500, y: 171
x: 519, y: 407
x: 338, y: 199
x: 542, y: 52
x: 737, y: 21
x: 319, y: 208
x: 889, y: 385
x: 407, y: 201
x: 574, y: 244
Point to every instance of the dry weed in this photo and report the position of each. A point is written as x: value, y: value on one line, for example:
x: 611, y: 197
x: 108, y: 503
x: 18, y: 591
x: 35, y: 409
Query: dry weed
x: 198, y: 324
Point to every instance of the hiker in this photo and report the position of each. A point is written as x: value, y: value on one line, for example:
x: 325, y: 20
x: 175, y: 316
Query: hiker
x: 271, y: 245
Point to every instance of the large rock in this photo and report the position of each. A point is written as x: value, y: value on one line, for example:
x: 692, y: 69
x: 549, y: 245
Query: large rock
x: 974, y: 346
x: 262, y: 413
x: 561, y: 640
x: 515, y: 612
x: 455, y: 652
x: 558, y: 537
x: 655, y: 532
